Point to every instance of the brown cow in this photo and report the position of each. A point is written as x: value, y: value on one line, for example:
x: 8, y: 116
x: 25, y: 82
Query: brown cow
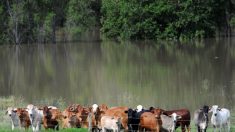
x: 71, y: 116
x: 150, y: 122
x: 184, y: 121
x: 86, y: 117
x: 51, y: 117
x: 119, y: 112
x: 24, y: 117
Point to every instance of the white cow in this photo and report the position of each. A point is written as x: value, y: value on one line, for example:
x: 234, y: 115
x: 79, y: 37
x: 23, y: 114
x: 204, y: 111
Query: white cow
x: 35, y: 116
x: 169, y: 122
x: 110, y: 123
x: 15, y: 121
x: 220, y: 118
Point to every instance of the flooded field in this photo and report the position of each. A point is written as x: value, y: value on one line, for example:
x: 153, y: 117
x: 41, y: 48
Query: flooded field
x: 169, y: 75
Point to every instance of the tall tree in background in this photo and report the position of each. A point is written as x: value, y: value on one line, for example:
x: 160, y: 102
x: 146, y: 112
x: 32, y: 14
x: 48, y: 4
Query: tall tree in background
x: 15, y: 23
x: 80, y: 17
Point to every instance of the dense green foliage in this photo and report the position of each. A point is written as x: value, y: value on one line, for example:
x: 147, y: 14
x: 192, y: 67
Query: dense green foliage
x: 27, y: 21
x: 151, y: 19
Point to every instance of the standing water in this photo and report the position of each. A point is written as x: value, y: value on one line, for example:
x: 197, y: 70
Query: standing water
x: 160, y: 74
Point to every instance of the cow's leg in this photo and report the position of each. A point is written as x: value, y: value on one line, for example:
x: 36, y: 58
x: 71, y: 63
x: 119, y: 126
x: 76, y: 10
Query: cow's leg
x: 103, y: 129
x: 33, y: 128
x: 214, y: 128
x: 57, y: 127
x: 220, y: 127
x: 12, y: 127
x: 228, y: 125
x: 188, y: 128
x: 158, y: 128
x: 198, y: 129
x: 182, y: 127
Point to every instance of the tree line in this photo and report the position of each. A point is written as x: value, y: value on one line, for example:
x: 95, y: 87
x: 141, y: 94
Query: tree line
x: 40, y: 21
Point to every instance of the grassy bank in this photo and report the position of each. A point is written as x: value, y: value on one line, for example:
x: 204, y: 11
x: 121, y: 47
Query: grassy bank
x: 5, y: 124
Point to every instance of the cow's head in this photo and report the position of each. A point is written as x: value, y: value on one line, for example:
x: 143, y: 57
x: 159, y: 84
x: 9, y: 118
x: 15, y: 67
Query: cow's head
x: 175, y: 117
x: 22, y: 113
x: 103, y: 107
x: 139, y: 108
x: 130, y: 114
x: 205, y: 109
x: 71, y: 117
x: 94, y: 108
x: 11, y: 111
x: 156, y: 111
x: 46, y: 112
x: 31, y: 109
x: 215, y: 109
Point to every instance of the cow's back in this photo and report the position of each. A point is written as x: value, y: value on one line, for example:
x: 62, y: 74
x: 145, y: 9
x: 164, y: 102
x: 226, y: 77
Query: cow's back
x: 225, y: 115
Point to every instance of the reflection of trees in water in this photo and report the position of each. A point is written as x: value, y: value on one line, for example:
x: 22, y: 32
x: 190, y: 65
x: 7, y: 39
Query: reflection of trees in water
x: 168, y: 76
x: 225, y: 69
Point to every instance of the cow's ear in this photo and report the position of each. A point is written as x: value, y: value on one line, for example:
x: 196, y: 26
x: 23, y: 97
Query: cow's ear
x: 178, y: 117
x: 6, y: 112
x: 164, y: 113
x: 210, y: 109
x: 14, y: 110
x: 151, y: 108
x: 40, y: 108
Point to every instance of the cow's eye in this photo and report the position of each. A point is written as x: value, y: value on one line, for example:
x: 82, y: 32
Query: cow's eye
x: 65, y: 117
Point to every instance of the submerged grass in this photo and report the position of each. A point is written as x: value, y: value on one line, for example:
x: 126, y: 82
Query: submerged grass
x: 5, y: 123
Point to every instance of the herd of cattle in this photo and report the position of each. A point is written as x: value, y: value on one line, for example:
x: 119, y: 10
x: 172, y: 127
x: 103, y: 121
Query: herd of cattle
x: 100, y: 117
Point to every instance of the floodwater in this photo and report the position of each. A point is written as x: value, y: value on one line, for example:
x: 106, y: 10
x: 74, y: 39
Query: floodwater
x: 169, y: 75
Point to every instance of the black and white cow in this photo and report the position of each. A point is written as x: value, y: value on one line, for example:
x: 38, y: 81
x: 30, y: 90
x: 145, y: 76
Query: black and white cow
x: 201, y: 118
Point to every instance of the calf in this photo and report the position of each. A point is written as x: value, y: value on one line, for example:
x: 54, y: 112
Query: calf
x: 150, y: 122
x: 110, y: 123
x: 50, y: 117
x: 24, y: 118
x: 220, y: 118
x: 184, y: 121
x: 169, y: 122
x: 201, y: 118
x: 15, y: 121
x: 35, y: 116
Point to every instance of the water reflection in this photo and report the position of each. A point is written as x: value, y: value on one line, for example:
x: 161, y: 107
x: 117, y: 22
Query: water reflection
x: 167, y: 74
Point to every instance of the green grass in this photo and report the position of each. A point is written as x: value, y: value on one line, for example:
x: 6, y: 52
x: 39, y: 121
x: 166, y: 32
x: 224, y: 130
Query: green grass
x: 62, y: 130
x: 5, y: 124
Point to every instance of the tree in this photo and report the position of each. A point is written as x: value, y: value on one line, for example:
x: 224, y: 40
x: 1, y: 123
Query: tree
x: 79, y: 17
x: 16, y: 13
